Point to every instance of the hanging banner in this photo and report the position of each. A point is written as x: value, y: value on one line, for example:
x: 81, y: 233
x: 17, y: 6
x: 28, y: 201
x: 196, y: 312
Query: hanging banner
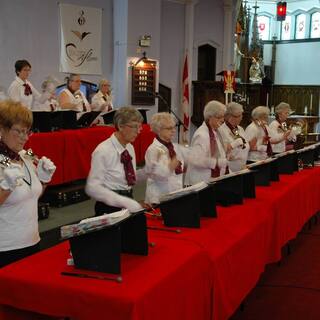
x: 80, y: 39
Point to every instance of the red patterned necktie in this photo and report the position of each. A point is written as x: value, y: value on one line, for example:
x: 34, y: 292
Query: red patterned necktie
x: 267, y: 138
x: 172, y: 154
x: 213, y: 144
x: 27, y: 89
x: 126, y: 159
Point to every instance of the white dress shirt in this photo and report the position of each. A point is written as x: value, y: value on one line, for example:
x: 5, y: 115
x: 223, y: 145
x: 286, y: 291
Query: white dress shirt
x: 107, y: 174
x: 99, y: 103
x: 46, y: 106
x: 78, y: 99
x: 281, y: 146
x: 161, y: 179
x: 16, y: 93
x: 19, y: 212
x: 200, y: 160
x: 238, y: 156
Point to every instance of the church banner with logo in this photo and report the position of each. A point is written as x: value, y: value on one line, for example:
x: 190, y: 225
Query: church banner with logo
x: 80, y: 39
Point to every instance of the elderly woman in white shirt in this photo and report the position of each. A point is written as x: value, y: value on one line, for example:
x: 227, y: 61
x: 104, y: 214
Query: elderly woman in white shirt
x: 260, y: 136
x: 72, y: 98
x: 22, y: 90
x: 164, y: 159
x: 233, y: 137
x: 21, y: 184
x: 51, y: 104
x: 113, y: 166
x: 207, y: 154
x: 279, y: 125
x: 102, y: 100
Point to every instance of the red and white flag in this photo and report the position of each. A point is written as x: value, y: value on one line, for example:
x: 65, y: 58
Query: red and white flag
x: 185, y: 100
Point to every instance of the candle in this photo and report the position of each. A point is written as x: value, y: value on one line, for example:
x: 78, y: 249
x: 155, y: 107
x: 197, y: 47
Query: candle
x: 272, y: 110
x: 305, y: 110
x: 267, y: 102
x: 226, y: 102
x: 311, y: 103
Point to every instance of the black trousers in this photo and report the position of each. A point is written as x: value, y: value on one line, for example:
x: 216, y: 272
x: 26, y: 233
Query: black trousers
x: 101, y: 208
x: 7, y: 257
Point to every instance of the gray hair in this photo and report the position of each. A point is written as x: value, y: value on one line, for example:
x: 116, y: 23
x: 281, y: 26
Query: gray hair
x: 258, y: 112
x: 102, y: 82
x: 71, y: 77
x: 125, y: 115
x: 282, y: 106
x: 232, y: 108
x: 160, y: 119
x: 213, y: 108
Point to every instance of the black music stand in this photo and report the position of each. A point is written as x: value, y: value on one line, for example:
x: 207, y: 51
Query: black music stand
x: 100, y: 250
x: 41, y: 121
x: 306, y: 156
x: 262, y: 172
x: 287, y: 162
x: 185, y: 210
x: 66, y: 119
x: 108, y: 116
x: 87, y: 118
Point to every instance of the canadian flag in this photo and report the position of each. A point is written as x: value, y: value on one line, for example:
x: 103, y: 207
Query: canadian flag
x: 185, y: 99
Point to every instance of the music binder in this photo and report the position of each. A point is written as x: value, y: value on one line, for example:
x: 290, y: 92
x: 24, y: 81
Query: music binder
x: 306, y: 156
x: 87, y: 118
x: 287, y: 162
x: 262, y: 171
x: 41, y: 121
x: 63, y: 119
x: 184, y: 207
x: 96, y: 244
x: 108, y: 116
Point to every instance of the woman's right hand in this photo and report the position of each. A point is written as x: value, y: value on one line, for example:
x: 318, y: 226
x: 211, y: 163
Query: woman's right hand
x: 174, y: 163
x: 12, y: 176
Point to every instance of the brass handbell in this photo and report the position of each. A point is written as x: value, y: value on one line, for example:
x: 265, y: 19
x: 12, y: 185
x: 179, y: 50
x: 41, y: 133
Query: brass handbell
x: 32, y: 155
x: 4, y: 161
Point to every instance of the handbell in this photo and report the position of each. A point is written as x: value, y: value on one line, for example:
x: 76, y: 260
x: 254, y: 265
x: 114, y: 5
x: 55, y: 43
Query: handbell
x: 4, y: 161
x: 32, y: 155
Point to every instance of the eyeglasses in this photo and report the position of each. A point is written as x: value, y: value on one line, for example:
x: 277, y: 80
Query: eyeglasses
x: 22, y: 133
x: 169, y: 128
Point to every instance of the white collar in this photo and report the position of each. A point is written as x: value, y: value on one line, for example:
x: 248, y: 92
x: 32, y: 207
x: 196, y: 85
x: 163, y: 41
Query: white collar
x: 117, y: 145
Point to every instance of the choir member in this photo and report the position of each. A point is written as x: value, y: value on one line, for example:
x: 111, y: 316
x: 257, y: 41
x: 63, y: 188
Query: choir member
x: 207, y: 155
x: 260, y: 136
x: 102, y: 100
x: 51, y: 104
x: 113, y: 165
x: 21, y: 184
x: 21, y: 89
x: 282, y: 112
x: 164, y: 160
x: 233, y: 137
x: 71, y: 97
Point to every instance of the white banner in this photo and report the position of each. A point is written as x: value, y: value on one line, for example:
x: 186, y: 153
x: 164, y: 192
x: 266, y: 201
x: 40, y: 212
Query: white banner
x: 80, y: 39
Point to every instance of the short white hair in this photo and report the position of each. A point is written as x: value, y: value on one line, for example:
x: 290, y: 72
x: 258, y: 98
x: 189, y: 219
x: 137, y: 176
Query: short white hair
x: 102, y: 82
x: 259, y: 112
x: 161, y: 119
x: 214, y: 108
x: 233, y: 107
x: 282, y: 106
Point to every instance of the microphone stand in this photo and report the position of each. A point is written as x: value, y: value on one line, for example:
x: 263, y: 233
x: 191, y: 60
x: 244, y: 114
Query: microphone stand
x: 179, y: 121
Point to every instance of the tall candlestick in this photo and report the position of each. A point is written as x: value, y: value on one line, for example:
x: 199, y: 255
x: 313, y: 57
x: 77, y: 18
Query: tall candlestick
x: 226, y: 102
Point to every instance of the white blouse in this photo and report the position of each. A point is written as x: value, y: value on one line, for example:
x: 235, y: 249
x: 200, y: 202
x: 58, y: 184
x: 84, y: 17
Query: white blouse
x: 107, y: 174
x: 238, y: 156
x: 100, y: 104
x: 78, y: 99
x: 16, y: 93
x: 19, y: 212
x: 161, y: 179
x: 281, y: 146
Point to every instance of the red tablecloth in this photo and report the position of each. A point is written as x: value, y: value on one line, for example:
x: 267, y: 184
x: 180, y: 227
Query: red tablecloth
x: 71, y: 150
x: 172, y: 282
x: 246, y: 237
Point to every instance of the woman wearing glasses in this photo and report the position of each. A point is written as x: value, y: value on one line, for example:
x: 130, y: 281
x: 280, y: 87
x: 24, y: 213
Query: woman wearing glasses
x: 164, y: 159
x: 113, y: 166
x: 21, y: 184
x: 22, y: 90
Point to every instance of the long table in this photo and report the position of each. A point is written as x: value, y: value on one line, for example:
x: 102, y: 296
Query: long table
x: 232, y: 250
x: 71, y: 150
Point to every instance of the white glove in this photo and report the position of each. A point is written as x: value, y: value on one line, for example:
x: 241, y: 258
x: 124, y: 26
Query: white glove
x: 262, y: 148
x: 222, y: 162
x: 236, y: 143
x: 45, y: 169
x: 12, y: 176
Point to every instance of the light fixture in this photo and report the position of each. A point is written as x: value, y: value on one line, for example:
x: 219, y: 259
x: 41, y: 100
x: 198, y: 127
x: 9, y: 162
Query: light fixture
x: 281, y: 11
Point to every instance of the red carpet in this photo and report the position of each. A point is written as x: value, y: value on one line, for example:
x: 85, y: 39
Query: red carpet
x: 290, y: 290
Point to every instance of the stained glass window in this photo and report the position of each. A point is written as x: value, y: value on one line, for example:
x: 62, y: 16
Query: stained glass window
x: 286, y: 29
x: 315, y: 25
x: 264, y: 27
x: 300, y: 26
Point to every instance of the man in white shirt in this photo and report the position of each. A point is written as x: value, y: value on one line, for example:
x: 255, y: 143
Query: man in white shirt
x: 207, y: 155
x: 21, y: 90
x: 113, y: 166
x: 233, y: 137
